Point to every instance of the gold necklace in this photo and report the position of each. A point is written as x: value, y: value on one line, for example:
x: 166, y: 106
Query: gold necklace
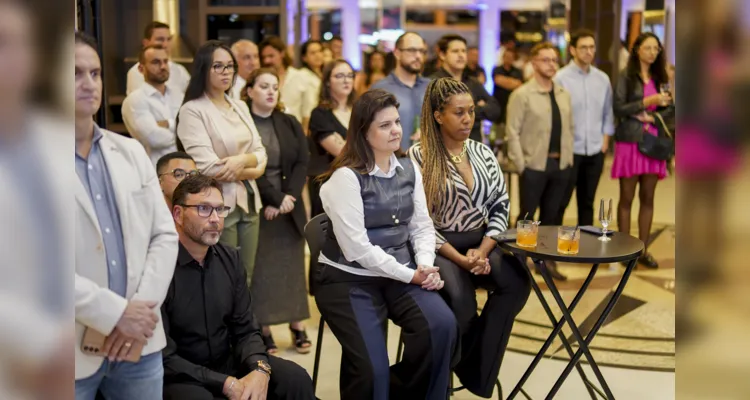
x: 458, y: 159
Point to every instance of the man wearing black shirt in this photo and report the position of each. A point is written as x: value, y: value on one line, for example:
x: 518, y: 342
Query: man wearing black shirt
x: 507, y: 78
x: 452, y: 53
x: 214, y: 347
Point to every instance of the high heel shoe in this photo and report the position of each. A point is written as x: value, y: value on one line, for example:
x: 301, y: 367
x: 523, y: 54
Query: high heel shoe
x: 271, y: 347
x: 301, y: 343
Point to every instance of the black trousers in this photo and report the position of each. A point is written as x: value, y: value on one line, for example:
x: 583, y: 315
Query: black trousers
x: 584, y: 179
x: 544, y: 190
x: 288, y: 381
x: 484, y: 337
x: 357, y: 308
x: 313, y: 187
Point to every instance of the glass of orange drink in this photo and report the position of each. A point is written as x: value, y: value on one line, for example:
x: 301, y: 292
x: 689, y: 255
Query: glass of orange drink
x: 526, y: 233
x: 568, y: 239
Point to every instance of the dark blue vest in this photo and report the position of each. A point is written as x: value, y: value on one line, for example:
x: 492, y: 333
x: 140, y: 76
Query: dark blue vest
x: 388, y: 208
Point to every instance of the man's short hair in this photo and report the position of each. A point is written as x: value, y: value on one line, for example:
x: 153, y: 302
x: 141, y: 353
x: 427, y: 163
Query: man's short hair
x: 165, y: 159
x: 142, y: 53
x: 86, y: 39
x: 447, y: 39
x: 194, y: 184
x: 278, y: 44
x: 541, y: 46
x: 337, y: 37
x: 580, y: 34
x: 400, y: 39
x: 149, y: 30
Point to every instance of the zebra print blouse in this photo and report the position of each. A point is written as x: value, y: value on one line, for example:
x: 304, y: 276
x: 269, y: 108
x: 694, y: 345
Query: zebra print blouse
x: 463, y: 210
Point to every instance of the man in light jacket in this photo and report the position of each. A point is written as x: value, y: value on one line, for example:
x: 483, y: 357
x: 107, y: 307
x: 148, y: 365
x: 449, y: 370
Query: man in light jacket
x: 125, y: 250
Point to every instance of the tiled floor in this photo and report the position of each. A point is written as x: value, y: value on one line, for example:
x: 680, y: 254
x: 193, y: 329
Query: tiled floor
x: 639, y: 336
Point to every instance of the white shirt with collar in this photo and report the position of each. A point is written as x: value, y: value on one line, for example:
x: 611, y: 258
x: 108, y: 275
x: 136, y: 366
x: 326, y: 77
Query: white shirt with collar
x: 143, y: 108
x: 342, y: 203
x: 239, y: 86
x: 179, y: 77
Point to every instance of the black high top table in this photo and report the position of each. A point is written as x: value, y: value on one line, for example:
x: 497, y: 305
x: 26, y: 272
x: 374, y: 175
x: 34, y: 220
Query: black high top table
x: 622, y: 248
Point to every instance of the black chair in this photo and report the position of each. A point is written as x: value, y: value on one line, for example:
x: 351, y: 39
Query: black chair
x: 315, y: 234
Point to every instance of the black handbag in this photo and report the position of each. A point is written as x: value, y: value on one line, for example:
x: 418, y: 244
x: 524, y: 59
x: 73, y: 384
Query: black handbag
x: 659, y: 147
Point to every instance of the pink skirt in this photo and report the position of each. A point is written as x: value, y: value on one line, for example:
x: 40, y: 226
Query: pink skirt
x: 630, y: 162
x: 700, y: 155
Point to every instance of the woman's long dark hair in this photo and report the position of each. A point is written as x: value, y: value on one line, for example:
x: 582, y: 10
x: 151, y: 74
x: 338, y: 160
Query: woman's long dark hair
x: 204, y: 59
x: 368, y: 67
x: 303, y: 52
x: 657, y: 70
x: 326, y: 100
x: 202, y: 62
x: 357, y: 153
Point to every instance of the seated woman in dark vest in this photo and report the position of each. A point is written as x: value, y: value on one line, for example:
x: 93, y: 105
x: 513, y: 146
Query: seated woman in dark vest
x: 377, y: 264
x: 468, y: 202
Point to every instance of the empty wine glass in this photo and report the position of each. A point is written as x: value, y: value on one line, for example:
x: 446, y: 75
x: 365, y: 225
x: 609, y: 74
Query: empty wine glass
x: 605, y: 217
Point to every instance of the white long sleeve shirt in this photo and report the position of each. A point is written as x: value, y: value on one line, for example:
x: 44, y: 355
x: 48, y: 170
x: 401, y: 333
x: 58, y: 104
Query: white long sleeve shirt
x: 342, y: 203
x: 141, y: 111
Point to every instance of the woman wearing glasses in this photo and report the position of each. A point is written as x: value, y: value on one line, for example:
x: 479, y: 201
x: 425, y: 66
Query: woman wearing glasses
x: 637, y: 99
x: 278, y: 286
x: 220, y: 135
x: 328, y: 124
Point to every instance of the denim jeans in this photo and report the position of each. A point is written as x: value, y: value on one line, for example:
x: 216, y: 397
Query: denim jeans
x: 125, y: 380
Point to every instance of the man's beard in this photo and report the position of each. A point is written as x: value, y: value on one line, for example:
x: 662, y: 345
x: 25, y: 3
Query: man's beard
x: 205, y: 238
x: 157, y: 79
x: 411, y: 69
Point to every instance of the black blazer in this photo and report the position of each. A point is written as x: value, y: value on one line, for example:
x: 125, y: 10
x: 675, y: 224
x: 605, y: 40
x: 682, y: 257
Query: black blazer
x: 294, y: 159
x: 628, y: 102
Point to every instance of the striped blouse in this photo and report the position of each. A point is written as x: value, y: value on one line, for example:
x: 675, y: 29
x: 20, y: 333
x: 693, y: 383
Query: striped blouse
x: 464, y: 210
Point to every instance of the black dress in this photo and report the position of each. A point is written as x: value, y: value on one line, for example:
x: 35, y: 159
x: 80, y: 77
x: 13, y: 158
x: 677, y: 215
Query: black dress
x: 278, y: 286
x: 323, y: 123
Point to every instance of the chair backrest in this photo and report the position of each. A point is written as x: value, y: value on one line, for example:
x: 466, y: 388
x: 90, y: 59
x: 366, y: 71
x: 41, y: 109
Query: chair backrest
x: 315, y: 235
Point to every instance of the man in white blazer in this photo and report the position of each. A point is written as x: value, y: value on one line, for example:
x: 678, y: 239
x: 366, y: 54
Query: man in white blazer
x: 150, y: 112
x: 125, y: 250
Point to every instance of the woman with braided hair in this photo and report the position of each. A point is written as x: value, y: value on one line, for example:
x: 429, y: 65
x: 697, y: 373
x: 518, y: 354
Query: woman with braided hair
x: 468, y: 202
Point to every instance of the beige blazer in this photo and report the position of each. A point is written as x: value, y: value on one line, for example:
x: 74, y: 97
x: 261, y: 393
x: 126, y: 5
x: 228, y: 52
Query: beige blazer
x: 529, y: 126
x: 150, y: 247
x: 207, y: 137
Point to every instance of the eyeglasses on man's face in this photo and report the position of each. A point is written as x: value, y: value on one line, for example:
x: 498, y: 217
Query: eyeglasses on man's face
x: 205, y: 210
x: 179, y: 173
x: 220, y: 68
x: 414, y: 51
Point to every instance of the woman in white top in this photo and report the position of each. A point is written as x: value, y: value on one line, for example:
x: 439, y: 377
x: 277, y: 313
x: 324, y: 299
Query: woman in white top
x: 220, y: 135
x: 377, y: 263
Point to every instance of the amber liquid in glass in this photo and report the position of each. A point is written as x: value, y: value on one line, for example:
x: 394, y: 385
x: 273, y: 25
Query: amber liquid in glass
x: 568, y: 246
x: 526, y: 238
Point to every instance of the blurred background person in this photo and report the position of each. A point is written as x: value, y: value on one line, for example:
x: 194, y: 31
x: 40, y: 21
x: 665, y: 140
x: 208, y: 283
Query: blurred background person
x: 38, y: 252
x: 300, y: 97
x: 329, y: 123
x: 540, y: 141
x: 506, y: 79
x: 157, y: 34
x: 473, y: 69
x: 248, y: 60
x: 407, y: 84
x: 220, y: 135
x: 119, y: 285
x: 374, y: 71
x: 171, y: 169
x: 278, y: 286
x: 637, y: 96
x: 327, y: 55
x: 453, y: 58
x: 507, y: 41
x: 336, y: 44
x: 312, y: 59
x: 150, y: 112
x: 432, y: 65
x: 591, y: 94
x: 468, y: 201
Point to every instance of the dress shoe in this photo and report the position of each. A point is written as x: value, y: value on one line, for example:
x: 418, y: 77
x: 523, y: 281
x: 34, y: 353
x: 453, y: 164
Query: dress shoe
x: 648, y: 261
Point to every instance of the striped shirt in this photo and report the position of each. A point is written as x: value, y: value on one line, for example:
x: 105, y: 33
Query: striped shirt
x: 486, y: 205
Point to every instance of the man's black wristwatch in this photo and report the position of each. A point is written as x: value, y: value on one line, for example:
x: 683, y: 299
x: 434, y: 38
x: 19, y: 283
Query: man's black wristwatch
x: 263, y: 366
